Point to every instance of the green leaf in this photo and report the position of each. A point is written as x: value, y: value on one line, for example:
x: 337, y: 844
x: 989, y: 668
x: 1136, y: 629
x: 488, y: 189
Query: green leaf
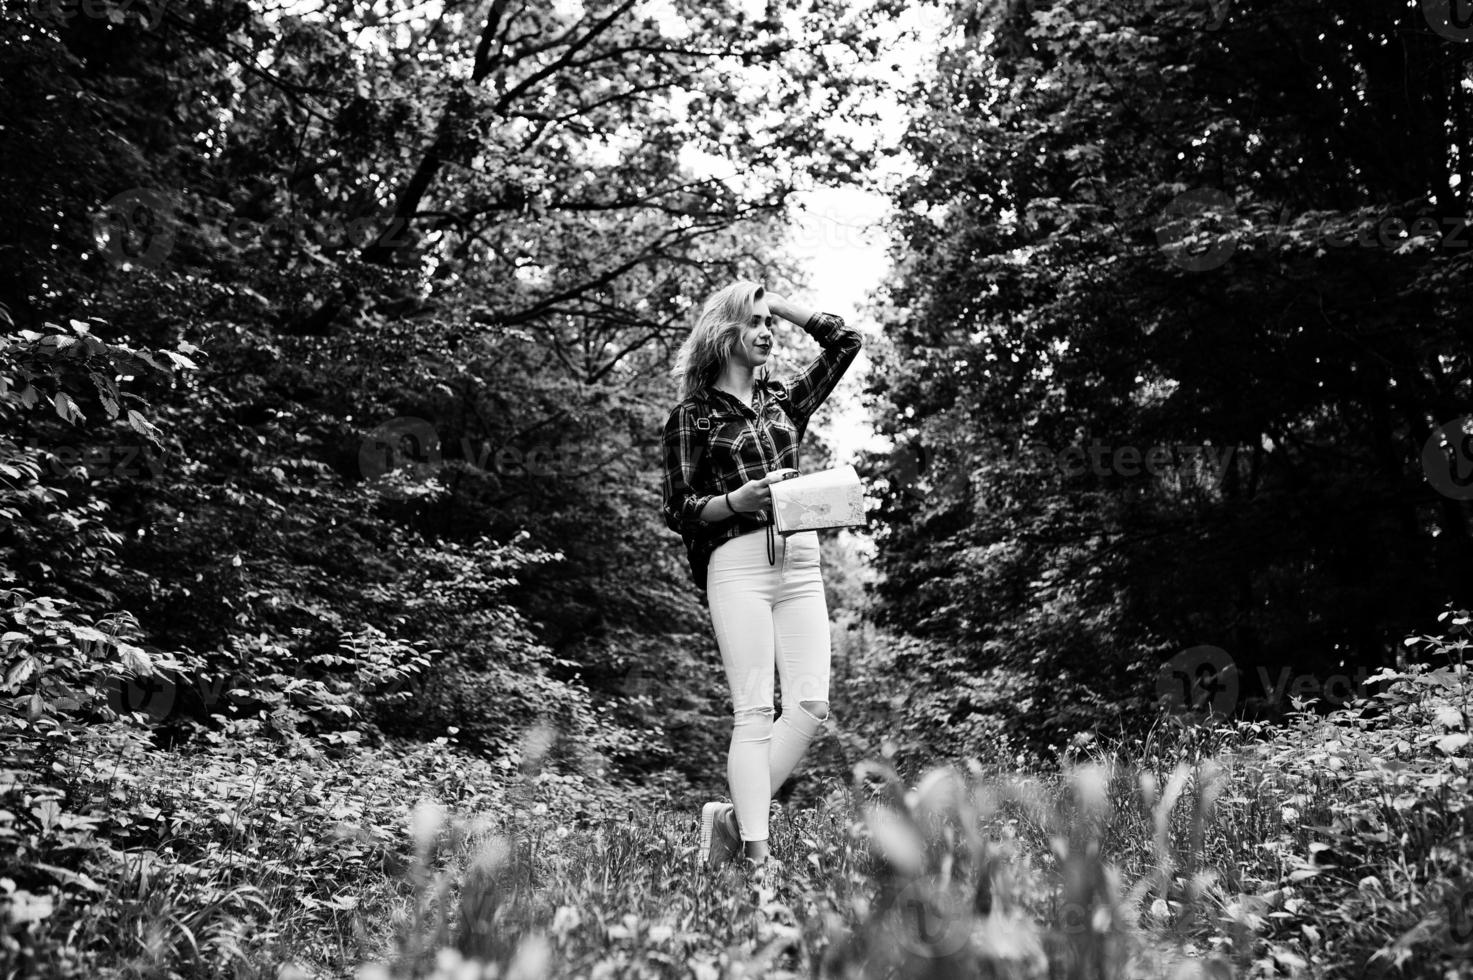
x: 1452, y: 743
x: 1448, y: 717
x: 26, y: 907
x: 149, y: 359
x: 69, y: 877
x: 66, y: 408
x: 107, y: 393
x: 48, y: 813
x: 142, y: 426
x: 136, y: 659
x: 20, y: 671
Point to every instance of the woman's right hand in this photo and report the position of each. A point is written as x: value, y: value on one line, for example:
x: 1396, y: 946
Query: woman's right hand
x: 754, y: 495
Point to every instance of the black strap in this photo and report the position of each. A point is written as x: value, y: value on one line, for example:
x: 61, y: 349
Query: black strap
x: 772, y: 517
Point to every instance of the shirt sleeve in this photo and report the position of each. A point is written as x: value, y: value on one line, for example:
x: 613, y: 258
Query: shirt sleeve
x: 807, y: 389
x: 682, y: 504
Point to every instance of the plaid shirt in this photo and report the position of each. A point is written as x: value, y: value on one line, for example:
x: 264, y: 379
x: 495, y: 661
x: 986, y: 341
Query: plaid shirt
x: 714, y: 442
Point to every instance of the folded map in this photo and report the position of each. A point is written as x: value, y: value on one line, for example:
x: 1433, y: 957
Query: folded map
x: 828, y: 498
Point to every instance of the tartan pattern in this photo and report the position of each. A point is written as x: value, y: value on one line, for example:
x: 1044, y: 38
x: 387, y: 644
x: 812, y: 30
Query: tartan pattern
x: 714, y: 443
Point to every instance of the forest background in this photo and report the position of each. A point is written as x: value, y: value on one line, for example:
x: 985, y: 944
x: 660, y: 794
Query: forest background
x: 336, y: 341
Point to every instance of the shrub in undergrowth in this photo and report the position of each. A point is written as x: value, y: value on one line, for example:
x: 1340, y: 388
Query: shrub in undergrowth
x: 1359, y: 820
x: 1330, y: 847
x: 246, y: 849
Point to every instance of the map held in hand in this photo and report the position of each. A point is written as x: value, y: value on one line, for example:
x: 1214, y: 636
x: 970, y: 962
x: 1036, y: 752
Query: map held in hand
x: 829, y: 498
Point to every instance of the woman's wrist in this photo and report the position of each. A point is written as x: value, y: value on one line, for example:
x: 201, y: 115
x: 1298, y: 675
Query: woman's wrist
x: 792, y: 312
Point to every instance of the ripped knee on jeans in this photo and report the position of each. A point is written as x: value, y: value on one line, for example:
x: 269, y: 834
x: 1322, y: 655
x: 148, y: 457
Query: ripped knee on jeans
x: 817, y: 710
x: 753, y: 724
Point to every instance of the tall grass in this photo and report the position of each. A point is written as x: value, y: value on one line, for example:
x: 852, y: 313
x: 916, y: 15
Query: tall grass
x: 1335, y: 845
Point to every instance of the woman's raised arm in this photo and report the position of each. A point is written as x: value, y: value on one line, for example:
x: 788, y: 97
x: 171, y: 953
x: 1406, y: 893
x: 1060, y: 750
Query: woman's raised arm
x: 807, y: 389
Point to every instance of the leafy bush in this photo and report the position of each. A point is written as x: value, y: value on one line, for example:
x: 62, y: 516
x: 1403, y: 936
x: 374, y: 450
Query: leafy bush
x: 1333, y: 847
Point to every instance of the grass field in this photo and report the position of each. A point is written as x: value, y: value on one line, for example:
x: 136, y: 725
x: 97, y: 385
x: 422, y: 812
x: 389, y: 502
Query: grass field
x: 1333, y: 846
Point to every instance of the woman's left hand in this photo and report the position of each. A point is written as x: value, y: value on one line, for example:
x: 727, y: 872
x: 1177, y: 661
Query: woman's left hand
x: 777, y: 304
x: 787, y: 309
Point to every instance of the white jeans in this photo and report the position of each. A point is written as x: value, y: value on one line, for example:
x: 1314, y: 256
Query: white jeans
x: 765, y: 614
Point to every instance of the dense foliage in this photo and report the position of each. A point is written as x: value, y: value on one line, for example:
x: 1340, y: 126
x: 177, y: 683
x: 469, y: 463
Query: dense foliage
x: 1331, y: 846
x: 334, y: 340
x: 1180, y: 298
x: 371, y: 318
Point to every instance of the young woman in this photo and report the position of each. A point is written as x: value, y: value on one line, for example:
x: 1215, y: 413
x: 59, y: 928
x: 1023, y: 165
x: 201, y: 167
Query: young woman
x: 731, y: 436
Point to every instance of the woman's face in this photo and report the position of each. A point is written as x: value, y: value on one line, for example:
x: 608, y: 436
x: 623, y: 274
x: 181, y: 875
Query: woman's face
x: 755, y: 345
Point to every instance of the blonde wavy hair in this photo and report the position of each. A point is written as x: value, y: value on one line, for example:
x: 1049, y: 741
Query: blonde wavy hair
x: 717, y: 331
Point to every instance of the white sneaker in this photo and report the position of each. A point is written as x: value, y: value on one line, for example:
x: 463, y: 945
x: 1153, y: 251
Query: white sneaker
x: 718, y: 843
